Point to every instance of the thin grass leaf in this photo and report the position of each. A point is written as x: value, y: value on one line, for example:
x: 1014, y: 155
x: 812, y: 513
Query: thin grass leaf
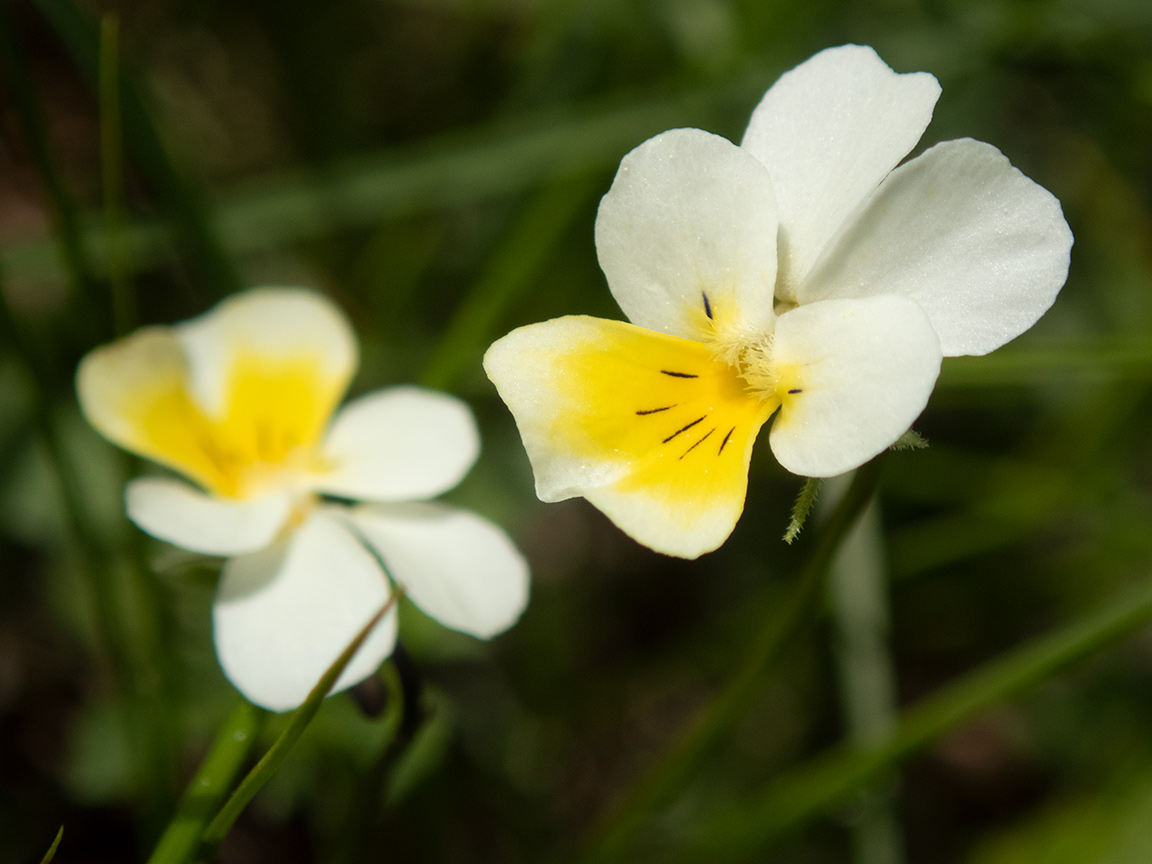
x: 81, y: 38
x: 181, y: 839
x: 112, y: 175
x: 219, y: 827
x: 815, y: 789
x: 51, y: 853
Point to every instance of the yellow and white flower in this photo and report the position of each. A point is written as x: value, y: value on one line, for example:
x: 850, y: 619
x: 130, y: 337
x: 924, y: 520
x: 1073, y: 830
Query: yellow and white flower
x: 802, y: 273
x: 241, y: 402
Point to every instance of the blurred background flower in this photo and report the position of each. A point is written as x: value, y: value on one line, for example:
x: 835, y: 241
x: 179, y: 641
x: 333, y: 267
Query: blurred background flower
x: 435, y: 165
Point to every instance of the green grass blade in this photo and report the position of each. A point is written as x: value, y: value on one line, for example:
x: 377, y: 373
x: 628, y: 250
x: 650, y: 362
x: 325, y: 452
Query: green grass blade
x: 112, y: 175
x: 219, y: 827
x: 815, y: 789
x: 81, y: 38
x: 181, y: 839
x: 51, y: 853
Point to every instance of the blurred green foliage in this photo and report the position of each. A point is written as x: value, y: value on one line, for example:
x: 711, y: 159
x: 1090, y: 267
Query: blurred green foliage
x: 435, y: 166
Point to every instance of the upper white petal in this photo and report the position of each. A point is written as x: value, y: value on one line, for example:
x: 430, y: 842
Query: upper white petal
x: 181, y: 514
x: 829, y: 131
x: 461, y: 569
x: 284, y: 614
x: 267, y: 326
x: 690, y: 215
x: 399, y: 444
x: 854, y: 374
x: 978, y: 245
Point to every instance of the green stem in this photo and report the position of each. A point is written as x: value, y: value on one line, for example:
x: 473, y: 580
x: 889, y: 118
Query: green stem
x: 795, y: 799
x: 219, y: 827
x: 857, y: 590
x: 181, y: 839
x: 51, y: 853
x: 613, y: 834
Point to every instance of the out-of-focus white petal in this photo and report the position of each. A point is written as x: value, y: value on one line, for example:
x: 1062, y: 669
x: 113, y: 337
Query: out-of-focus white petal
x: 650, y: 428
x: 178, y: 513
x: 978, y: 245
x: 687, y: 237
x: 461, y: 569
x: 853, y: 376
x: 829, y: 131
x: 283, y: 615
x: 399, y: 444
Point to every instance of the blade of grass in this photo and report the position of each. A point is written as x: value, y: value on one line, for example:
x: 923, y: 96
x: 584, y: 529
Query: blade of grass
x: 612, y: 836
x: 81, y: 38
x: 812, y: 790
x: 61, y: 208
x: 51, y: 853
x: 516, y: 261
x: 181, y: 839
x: 112, y: 174
x: 222, y: 823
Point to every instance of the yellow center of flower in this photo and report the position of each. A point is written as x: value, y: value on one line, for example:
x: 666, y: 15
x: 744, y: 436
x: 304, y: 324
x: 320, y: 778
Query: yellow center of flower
x: 263, y: 438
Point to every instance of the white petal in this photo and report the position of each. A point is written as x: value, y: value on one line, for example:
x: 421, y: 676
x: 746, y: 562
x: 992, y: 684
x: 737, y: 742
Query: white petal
x: 829, y: 131
x: 399, y: 444
x: 461, y: 569
x: 284, y: 614
x: 854, y: 375
x: 178, y: 513
x: 978, y: 245
x: 264, y: 332
x: 687, y: 229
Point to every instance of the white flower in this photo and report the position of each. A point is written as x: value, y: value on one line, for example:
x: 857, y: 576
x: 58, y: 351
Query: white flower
x: 801, y: 272
x: 239, y: 401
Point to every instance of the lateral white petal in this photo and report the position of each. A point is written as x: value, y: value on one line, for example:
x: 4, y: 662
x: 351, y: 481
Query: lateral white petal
x: 978, y: 245
x: 687, y: 233
x: 399, y: 444
x: 854, y: 375
x: 283, y: 615
x: 183, y: 515
x: 461, y: 569
x: 829, y: 131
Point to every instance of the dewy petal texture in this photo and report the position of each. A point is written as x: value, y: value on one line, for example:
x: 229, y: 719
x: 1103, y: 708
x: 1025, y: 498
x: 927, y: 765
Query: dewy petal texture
x: 399, y: 444
x: 855, y: 374
x: 687, y: 237
x: 178, y: 513
x: 650, y: 428
x: 460, y: 569
x: 283, y: 615
x: 829, y: 131
x: 978, y: 245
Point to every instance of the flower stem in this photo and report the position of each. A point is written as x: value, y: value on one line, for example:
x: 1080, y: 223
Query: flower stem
x: 181, y: 839
x: 612, y: 835
x: 859, y: 610
x: 219, y: 827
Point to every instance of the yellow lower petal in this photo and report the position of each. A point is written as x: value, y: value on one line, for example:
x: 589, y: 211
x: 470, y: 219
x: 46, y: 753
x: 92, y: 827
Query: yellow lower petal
x: 136, y: 392
x: 648, y: 427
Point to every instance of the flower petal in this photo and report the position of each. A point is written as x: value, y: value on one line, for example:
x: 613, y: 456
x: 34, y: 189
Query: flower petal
x: 978, y: 245
x: 649, y: 428
x: 829, y: 131
x: 283, y: 615
x: 854, y: 375
x: 178, y: 513
x: 268, y: 367
x: 399, y: 444
x: 687, y: 237
x: 135, y: 393
x: 461, y: 569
